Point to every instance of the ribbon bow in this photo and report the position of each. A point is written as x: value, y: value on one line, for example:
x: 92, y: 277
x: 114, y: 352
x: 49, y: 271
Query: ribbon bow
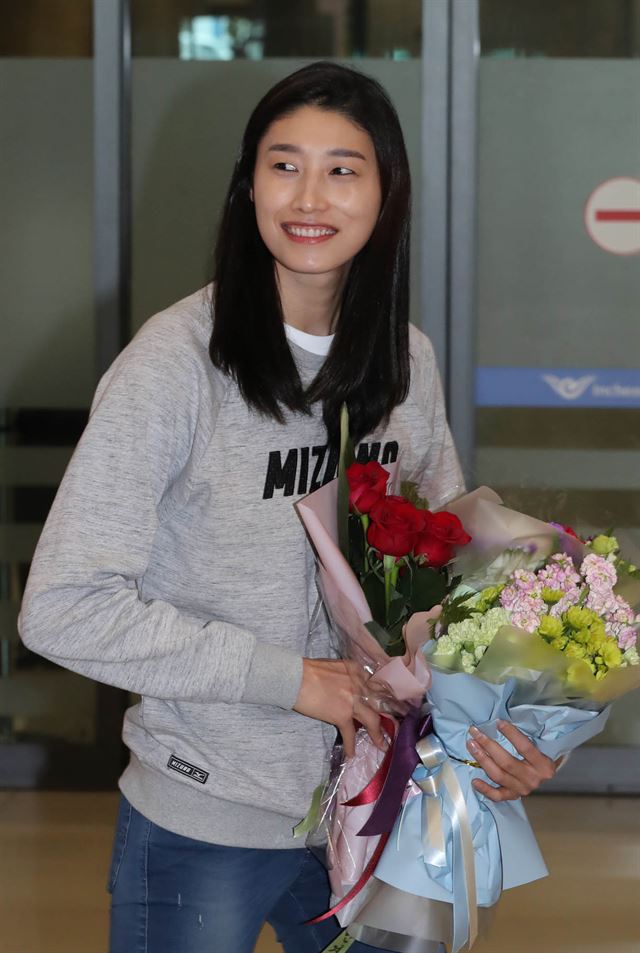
x: 441, y: 791
x: 386, y: 788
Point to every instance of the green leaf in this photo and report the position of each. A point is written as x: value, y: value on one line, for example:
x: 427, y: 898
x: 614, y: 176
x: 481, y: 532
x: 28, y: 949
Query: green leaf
x: 373, y: 588
x: 345, y: 460
x: 428, y: 589
x: 356, y: 545
x: 409, y: 490
x: 398, y: 610
x: 396, y: 644
x: 456, y: 611
x: 378, y: 632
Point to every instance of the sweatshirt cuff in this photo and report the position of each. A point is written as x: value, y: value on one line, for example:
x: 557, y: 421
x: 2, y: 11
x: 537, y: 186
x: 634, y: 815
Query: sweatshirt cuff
x: 274, y: 676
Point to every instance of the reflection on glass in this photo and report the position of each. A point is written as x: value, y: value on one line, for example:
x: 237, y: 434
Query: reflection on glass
x: 46, y: 363
x: 46, y: 28
x: 550, y: 299
x: 560, y: 28
x: 221, y: 38
x: 278, y: 28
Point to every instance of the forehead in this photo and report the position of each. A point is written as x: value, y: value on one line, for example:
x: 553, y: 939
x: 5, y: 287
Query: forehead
x: 317, y: 130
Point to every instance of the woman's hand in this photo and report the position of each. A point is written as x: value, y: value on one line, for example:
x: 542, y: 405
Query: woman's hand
x: 516, y: 778
x: 338, y: 692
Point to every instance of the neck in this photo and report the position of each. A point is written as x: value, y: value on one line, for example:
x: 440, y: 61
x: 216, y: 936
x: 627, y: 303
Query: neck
x: 310, y: 303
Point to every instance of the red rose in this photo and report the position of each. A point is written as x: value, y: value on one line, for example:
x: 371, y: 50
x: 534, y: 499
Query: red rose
x: 367, y: 484
x: 436, y: 552
x: 442, y: 531
x: 447, y: 527
x: 395, y: 526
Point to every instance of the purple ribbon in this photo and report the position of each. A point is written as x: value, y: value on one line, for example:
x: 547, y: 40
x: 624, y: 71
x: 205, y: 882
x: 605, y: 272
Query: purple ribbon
x: 404, y: 760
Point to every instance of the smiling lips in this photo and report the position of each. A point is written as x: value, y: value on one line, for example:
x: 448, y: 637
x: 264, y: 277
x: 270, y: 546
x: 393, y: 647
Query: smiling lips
x: 308, y: 234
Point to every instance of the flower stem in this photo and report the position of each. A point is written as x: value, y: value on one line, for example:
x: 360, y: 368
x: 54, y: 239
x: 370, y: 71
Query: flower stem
x: 364, y: 519
x: 389, y: 563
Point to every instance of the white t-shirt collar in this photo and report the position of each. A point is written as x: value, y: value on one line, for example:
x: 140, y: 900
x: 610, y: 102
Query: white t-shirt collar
x: 315, y: 343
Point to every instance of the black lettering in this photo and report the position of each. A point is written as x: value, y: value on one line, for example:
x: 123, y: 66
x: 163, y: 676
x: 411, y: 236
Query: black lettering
x: 320, y: 453
x: 331, y: 471
x: 304, y: 470
x: 281, y: 476
x: 390, y: 452
x: 365, y: 453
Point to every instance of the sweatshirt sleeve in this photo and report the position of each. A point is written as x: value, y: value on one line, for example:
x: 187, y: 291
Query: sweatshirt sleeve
x: 82, y: 607
x: 441, y: 478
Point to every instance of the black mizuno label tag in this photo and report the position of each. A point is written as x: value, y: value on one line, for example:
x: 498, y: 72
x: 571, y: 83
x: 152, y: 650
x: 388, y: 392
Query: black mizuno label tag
x: 188, y: 770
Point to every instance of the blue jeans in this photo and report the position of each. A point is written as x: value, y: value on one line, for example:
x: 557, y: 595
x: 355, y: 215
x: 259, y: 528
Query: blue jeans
x: 172, y: 894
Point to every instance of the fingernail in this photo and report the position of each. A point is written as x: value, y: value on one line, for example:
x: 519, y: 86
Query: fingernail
x: 472, y: 746
x: 500, y: 723
x: 475, y: 732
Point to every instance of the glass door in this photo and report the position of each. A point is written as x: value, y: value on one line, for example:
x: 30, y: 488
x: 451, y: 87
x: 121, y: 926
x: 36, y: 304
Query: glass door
x: 57, y: 729
x: 558, y: 285
x: 197, y: 73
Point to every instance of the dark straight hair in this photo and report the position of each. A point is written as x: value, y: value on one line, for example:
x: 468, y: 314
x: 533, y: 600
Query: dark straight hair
x: 368, y: 364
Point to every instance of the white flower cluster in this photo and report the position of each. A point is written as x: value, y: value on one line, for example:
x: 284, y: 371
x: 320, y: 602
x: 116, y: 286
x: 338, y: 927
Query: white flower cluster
x: 471, y: 637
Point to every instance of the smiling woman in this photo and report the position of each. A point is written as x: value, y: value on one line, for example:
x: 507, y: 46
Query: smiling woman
x: 353, y: 278
x: 173, y: 563
x: 314, y: 216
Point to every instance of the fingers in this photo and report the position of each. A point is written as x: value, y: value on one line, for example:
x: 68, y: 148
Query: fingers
x: 515, y: 777
x: 544, y: 766
x: 370, y: 721
x: 348, y: 732
x: 337, y: 692
x: 494, y: 794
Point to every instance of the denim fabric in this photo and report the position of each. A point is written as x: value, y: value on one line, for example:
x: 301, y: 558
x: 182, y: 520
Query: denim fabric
x: 172, y: 894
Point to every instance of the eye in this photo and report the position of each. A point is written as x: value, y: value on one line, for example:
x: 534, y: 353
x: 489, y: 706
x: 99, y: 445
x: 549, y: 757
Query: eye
x: 341, y: 170
x: 284, y: 167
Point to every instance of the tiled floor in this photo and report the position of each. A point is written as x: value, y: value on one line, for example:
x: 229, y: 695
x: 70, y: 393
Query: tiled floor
x: 54, y: 851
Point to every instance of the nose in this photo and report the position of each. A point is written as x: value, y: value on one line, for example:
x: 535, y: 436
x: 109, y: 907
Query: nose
x: 311, y: 194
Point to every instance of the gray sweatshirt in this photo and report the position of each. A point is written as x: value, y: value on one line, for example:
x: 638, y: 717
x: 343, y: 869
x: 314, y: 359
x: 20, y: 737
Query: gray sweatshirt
x: 173, y: 565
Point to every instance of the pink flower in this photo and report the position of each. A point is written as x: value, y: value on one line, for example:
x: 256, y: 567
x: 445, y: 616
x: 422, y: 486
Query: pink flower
x: 525, y: 581
x: 627, y: 637
x: 509, y: 597
x: 599, y: 573
x: 529, y: 621
x: 559, y: 573
x: 601, y: 601
x: 570, y: 598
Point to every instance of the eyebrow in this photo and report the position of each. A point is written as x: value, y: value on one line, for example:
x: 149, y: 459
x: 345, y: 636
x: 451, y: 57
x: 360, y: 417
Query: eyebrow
x: 341, y: 153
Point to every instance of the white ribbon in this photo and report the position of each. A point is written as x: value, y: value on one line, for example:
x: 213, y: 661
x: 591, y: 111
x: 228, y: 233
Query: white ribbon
x: 441, y: 783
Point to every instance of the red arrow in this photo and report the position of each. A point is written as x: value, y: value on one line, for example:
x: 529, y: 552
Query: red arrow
x: 618, y: 215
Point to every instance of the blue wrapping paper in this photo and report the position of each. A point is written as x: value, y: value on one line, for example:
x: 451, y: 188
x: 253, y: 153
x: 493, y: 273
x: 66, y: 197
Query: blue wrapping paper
x: 505, y: 850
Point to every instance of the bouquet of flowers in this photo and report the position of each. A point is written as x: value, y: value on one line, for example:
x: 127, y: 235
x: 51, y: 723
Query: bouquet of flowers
x: 380, y: 568
x: 398, y: 548
x: 539, y: 630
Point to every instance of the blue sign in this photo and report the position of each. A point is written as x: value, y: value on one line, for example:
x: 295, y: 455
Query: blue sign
x: 557, y: 387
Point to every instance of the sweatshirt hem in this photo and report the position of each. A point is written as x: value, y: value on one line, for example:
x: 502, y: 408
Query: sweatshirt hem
x: 205, y: 817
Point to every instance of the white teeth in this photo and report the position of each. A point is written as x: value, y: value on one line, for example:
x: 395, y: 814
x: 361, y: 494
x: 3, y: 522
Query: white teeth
x: 309, y: 232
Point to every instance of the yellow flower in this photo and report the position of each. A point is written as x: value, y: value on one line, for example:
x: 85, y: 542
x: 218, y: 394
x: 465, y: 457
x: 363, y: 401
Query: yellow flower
x: 551, y: 596
x: 573, y: 650
x: 559, y: 643
x: 550, y: 628
x: 611, y: 654
x: 598, y: 636
x: 603, y: 545
x: 579, y: 618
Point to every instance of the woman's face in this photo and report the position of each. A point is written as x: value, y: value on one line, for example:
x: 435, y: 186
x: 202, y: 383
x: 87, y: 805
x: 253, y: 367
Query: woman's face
x: 316, y: 190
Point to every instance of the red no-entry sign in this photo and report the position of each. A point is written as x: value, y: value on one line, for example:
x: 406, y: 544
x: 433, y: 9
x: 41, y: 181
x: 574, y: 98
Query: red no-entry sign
x: 612, y: 215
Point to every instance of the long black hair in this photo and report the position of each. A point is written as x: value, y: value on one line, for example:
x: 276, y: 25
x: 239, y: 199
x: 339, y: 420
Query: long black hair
x: 368, y: 364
